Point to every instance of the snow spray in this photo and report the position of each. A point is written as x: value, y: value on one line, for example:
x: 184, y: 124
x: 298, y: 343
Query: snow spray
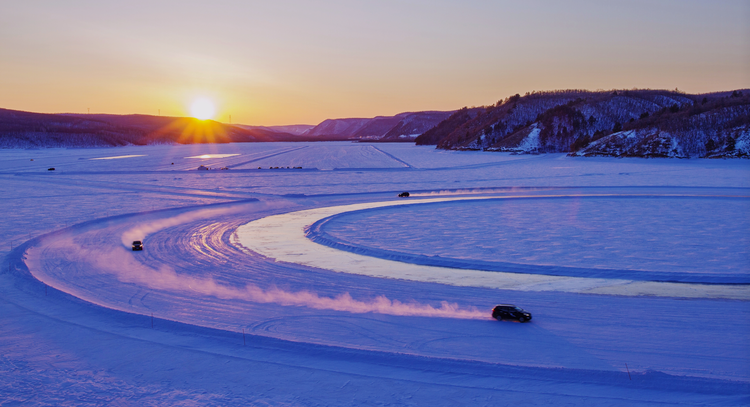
x: 120, y: 263
x: 127, y: 269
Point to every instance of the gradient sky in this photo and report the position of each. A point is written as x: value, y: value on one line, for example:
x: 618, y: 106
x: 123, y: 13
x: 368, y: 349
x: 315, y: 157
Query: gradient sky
x: 289, y: 62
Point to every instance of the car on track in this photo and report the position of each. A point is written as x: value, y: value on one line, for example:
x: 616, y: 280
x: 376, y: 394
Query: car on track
x: 510, y: 311
x: 403, y: 195
x: 137, y: 245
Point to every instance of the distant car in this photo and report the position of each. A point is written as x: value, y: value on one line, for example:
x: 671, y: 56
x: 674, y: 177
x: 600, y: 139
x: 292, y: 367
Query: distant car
x: 202, y: 168
x: 51, y: 169
x: 510, y: 311
x: 403, y: 195
x: 137, y: 245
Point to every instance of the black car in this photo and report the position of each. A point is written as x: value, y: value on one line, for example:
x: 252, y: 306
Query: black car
x: 403, y: 195
x: 510, y: 311
x: 137, y: 245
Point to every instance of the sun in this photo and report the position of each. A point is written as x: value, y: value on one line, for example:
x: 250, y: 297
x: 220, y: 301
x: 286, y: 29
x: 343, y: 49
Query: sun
x: 202, y: 109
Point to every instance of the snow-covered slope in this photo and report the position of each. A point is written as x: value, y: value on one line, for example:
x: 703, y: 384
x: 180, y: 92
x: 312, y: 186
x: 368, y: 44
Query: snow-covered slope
x: 294, y: 129
x: 341, y: 127
x: 654, y: 143
x: 393, y: 128
x: 20, y: 129
x: 641, y: 123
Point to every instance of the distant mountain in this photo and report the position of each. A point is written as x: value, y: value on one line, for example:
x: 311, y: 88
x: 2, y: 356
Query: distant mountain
x: 641, y: 123
x: 26, y: 129
x: 337, y: 127
x: 401, y: 127
x: 20, y: 129
x: 293, y: 129
x: 445, y: 128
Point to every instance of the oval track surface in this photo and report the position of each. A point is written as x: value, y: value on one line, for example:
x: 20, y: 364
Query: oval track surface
x: 191, y: 272
x: 528, y: 235
x: 281, y: 237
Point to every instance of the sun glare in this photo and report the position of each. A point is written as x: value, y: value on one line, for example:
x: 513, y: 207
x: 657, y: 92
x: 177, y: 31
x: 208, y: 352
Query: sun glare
x: 202, y: 109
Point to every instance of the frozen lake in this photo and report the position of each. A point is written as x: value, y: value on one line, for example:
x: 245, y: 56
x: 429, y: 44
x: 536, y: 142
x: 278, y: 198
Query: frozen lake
x: 196, y: 316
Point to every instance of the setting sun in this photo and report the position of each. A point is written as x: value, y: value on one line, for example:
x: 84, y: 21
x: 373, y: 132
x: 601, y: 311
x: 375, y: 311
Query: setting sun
x: 202, y: 109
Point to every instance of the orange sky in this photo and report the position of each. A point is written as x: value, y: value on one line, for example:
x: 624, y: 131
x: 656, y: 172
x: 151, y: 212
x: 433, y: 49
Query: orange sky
x: 290, y: 62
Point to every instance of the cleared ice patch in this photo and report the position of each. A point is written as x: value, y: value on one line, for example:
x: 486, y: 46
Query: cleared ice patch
x: 205, y: 156
x: 118, y: 157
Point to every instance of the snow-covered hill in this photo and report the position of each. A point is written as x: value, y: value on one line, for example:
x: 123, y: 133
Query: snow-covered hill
x: 294, y: 129
x: 642, y: 123
x: 34, y: 130
x: 401, y: 127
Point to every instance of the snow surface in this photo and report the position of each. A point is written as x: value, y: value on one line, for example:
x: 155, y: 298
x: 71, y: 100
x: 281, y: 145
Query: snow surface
x: 232, y: 327
x: 328, y: 157
x: 531, y: 142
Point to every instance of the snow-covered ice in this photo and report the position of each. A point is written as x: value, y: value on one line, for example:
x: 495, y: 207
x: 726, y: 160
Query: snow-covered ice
x: 197, y: 318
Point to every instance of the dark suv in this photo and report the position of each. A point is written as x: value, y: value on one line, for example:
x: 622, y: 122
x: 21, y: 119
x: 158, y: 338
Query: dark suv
x: 510, y: 311
x: 137, y: 245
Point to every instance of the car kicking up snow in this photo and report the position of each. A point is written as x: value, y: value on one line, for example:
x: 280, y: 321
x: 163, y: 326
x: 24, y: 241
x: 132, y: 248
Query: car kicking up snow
x: 137, y: 245
x: 510, y: 311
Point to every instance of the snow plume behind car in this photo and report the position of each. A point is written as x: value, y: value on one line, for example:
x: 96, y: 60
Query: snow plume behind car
x: 123, y: 266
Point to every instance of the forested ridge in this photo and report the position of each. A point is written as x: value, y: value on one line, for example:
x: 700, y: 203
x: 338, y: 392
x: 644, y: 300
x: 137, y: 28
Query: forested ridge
x: 643, y: 123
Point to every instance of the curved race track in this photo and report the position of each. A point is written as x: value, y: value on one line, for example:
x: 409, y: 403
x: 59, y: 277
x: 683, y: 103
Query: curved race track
x: 194, y: 272
x: 281, y: 237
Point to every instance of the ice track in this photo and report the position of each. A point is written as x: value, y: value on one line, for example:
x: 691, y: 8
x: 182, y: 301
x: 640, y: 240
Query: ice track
x: 193, y: 272
x: 281, y: 237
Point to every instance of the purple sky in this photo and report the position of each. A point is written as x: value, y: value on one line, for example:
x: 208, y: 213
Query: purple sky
x: 287, y: 62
